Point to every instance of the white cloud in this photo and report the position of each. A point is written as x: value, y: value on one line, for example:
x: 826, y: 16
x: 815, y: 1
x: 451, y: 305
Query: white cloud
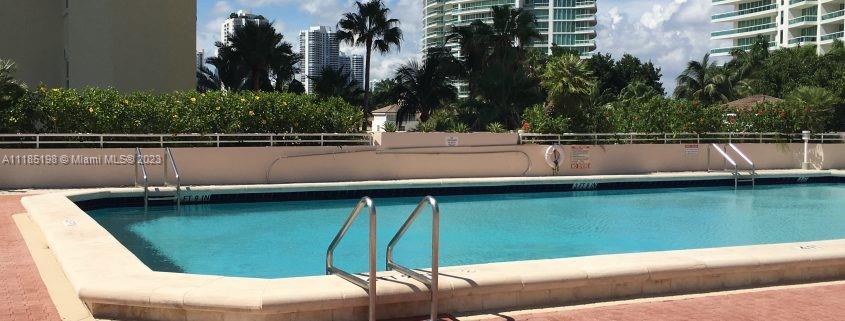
x: 221, y: 8
x: 669, y: 33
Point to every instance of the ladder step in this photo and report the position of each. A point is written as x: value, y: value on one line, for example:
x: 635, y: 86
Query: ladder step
x: 161, y: 198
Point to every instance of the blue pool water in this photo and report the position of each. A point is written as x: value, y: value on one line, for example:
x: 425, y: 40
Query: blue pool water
x: 285, y: 239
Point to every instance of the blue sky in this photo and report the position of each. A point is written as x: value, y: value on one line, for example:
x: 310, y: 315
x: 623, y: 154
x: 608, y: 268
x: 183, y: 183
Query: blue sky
x: 667, y: 32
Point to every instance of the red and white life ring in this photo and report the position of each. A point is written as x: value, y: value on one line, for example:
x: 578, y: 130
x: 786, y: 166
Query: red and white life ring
x: 554, y: 156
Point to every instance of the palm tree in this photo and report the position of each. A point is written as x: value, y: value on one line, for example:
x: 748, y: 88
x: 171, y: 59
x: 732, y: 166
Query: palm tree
x: 384, y: 93
x: 338, y: 82
x: 422, y: 88
x: 207, y: 79
x: 569, y: 82
x: 10, y: 88
x: 254, y: 54
x: 705, y: 82
x: 815, y: 105
x: 369, y: 27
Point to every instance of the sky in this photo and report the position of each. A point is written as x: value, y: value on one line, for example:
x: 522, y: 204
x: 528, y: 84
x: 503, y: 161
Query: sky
x: 667, y: 32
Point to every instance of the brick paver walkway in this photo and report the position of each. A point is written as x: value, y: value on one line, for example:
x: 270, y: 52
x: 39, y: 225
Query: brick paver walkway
x: 817, y: 303
x: 23, y: 296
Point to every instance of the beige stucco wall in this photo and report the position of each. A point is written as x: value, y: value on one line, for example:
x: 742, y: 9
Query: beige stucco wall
x: 31, y: 34
x: 128, y: 45
x: 262, y: 165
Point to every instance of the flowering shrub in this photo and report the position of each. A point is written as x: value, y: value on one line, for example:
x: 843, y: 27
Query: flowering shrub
x: 109, y: 111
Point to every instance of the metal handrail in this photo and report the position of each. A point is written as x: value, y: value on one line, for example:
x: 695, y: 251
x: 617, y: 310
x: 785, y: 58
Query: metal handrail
x: 753, y: 171
x: 369, y: 285
x: 139, y: 160
x: 741, y: 154
x: 435, y: 250
x: 172, y: 163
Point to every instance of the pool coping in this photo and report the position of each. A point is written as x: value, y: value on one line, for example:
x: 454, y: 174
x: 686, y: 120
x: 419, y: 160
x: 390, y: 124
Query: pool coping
x: 114, y: 283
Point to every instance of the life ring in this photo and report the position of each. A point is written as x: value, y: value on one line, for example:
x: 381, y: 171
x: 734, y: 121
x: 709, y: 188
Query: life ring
x: 554, y: 156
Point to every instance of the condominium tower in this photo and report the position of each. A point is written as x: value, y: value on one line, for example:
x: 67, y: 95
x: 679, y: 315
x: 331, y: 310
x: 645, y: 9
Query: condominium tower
x: 784, y: 23
x: 318, y: 48
x: 237, y: 20
x: 563, y: 23
x: 127, y: 45
x: 354, y: 64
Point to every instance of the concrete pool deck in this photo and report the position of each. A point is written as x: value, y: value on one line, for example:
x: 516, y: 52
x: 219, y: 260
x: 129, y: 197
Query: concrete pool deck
x: 119, y: 286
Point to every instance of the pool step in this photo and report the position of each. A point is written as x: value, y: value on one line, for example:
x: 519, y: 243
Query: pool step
x: 163, y: 194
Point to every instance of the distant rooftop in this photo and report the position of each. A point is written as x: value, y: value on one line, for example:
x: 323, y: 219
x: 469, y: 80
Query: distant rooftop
x: 751, y: 101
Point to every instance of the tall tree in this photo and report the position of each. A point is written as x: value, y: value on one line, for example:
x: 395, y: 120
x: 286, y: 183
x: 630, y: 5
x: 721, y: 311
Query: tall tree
x: 493, y: 57
x: 254, y: 57
x: 385, y: 93
x: 704, y: 82
x: 371, y: 28
x: 569, y: 82
x: 10, y: 88
x: 422, y: 88
x: 337, y: 82
x: 207, y: 79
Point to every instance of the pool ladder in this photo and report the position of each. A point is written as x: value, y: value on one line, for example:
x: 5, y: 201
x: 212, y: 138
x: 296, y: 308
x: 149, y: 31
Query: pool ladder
x: 738, y: 177
x: 161, y: 195
x: 370, y: 284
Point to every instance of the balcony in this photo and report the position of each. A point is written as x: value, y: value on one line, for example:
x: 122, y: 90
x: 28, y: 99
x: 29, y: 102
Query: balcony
x: 833, y: 15
x: 742, y: 13
x: 802, y: 3
x: 585, y: 4
x: 802, y: 40
x: 833, y: 36
x: 803, y: 19
x: 737, y: 31
x: 727, y: 50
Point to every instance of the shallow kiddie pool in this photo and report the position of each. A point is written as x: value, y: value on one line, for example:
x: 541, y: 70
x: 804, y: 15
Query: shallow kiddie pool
x: 289, y: 238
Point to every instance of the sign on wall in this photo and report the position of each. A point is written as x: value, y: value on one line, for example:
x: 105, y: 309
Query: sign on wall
x: 691, y: 150
x: 452, y: 141
x: 580, y: 157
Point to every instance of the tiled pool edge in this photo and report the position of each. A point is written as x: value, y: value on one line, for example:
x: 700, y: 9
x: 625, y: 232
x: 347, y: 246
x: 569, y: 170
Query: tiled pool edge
x: 115, y: 284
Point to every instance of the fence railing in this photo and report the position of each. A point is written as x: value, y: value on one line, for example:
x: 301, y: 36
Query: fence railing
x: 180, y: 140
x: 339, y: 139
x: 676, y: 138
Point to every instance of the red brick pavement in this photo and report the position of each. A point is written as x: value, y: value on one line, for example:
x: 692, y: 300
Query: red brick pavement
x: 23, y: 296
x: 792, y: 304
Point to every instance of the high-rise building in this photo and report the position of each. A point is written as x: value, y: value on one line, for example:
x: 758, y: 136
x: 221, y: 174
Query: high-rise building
x: 318, y: 48
x: 127, y: 45
x: 237, y: 20
x: 784, y: 23
x: 200, y: 58
x: 563, y: 23
x: 354, y: 64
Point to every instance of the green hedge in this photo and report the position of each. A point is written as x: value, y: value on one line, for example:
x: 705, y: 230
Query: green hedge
x: 663, y: 115
x: 109, y: 111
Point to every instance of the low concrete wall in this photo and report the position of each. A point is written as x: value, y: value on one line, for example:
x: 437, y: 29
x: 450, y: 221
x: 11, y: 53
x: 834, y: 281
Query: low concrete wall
x: 67, y: 168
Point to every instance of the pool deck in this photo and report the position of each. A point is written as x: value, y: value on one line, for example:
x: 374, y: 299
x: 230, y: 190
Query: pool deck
x: 817, y: 302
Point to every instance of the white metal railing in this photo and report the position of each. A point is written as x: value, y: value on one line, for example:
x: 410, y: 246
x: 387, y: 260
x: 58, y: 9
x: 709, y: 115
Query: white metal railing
x: 676, y: 138
x: 370, y: 284
x: 168, y: 159
x: 139, y: 162
x: 70, y: 140
x: 181, y: 140
x: 431, y: 282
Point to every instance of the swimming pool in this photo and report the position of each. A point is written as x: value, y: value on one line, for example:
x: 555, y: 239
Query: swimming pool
x: 286, y: 239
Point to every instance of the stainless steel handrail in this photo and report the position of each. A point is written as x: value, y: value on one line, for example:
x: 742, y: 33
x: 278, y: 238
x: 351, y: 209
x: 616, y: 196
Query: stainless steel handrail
x: 435, y: 250
x: 747, y: 160
x: 172, y: 163
x: 139, y: 160
x: 729, y: 160
x: 369, y: 285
